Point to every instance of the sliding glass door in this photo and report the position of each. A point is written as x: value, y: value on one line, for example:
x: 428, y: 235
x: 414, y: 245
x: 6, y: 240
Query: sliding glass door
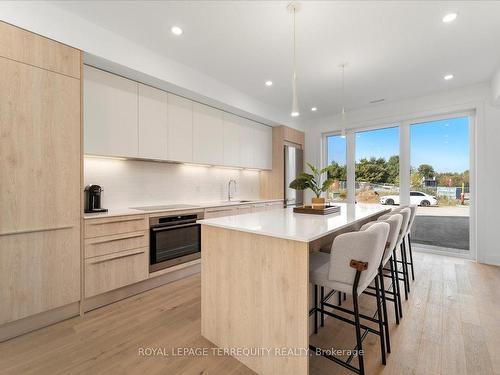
x: 426, y: 163
x: 440, y: 183
x: 336, y: 157
x: 377, y: 166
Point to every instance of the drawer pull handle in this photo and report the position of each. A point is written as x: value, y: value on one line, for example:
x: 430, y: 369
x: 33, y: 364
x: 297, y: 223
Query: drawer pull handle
x: 37, y: 230
x: 119, y: 221
x: 119, y: 239
x: 117, y: 257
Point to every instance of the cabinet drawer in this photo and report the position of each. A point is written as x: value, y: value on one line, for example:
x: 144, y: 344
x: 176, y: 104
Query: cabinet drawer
x: 115, y: 225
x: 244, y: 209
x: 115, y: 243
x: 220, y: 212
x: 112, y: 271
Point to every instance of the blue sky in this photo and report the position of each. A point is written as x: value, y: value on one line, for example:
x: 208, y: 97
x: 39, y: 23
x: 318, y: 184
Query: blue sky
x: 443, y: 144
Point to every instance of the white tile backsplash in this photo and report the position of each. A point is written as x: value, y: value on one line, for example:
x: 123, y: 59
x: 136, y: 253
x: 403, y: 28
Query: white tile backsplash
x: 129, y: 183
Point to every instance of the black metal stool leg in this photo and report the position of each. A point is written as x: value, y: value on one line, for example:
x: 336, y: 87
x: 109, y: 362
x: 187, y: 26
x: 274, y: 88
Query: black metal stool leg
x: 394, y: 291
x: 322, y: 306
x: 340, y: 298
x: 380, y: 323
x: 357, y: 325
x: 398, y: 286
x: 411, y: 257
x: 405, y: 265
x: 384, y: 309
x: 403, y: 262
x: 315, y: 308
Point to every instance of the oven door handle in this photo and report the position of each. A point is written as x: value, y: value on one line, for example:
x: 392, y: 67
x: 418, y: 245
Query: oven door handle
x: 161, y: 229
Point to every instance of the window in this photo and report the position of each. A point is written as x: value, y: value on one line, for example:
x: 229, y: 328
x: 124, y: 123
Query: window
x: 336, y: 158
x: 377, y: 165
x: 439, y: 177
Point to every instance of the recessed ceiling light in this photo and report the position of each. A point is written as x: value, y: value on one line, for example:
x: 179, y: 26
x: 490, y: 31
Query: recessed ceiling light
x: 176, y: 30
x: 314, y: 109
x: 294, y: 114
x: 269, y: 83
x: 448, y: 77
x: 450, y: 17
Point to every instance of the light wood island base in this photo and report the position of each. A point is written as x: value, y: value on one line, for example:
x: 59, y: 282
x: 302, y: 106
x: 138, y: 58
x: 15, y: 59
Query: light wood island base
x: 254, y: 295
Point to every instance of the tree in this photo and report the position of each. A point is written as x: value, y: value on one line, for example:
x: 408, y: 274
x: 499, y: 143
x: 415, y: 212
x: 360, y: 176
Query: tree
x: 427, y: 171
x: 372, y: 170
x: 337, y: 172
x: 393, y: 169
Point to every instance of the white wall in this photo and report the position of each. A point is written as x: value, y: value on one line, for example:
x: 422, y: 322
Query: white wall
x: 129, y: 183
x: 495, y: 88
x: 108, y: 50
x: 476, y: 97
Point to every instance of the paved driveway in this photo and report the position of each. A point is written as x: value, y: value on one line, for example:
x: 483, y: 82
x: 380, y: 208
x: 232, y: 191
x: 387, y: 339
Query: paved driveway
x: 442, y: 231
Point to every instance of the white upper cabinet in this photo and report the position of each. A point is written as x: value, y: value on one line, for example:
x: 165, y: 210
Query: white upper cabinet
x: 231, y: 149
x: 128, y: 119
x: 153, y: 123
x: 208, y: 135
x: 264, y: 146
x: 180, y: 129
x: 255, y: 145
x: 247, y: 144
x: 110, y: 114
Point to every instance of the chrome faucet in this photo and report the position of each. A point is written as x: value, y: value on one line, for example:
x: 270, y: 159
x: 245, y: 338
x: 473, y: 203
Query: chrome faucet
x: 229, y: 189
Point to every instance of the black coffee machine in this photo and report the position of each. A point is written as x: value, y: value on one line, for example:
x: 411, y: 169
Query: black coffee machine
x: 93, y: 199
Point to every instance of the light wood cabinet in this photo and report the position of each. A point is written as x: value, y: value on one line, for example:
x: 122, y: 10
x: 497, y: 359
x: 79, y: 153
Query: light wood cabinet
x: 114, y: 243
x: 112, y: 271
x: 40, y: 174
x: 39, y: 271
x: 152, y: 123
x: 208, y: 135
x: 180, y: 129
x: 39, y: 149
x: 107, y: 226
x: 23, y: 46
x: 110, y: 114
x: 211, y: 213
x: 259, y: 207
x: 231, y: 137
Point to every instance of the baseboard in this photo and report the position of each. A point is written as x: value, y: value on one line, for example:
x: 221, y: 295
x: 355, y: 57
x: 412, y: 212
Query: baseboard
x: 34, y: 322
x: 142, y: 286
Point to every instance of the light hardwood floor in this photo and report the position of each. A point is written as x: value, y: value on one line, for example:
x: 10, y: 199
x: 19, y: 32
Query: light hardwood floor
x: 451, y: 325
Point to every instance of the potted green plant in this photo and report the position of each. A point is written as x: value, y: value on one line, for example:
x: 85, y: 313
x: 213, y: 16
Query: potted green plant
x: 313, y: 182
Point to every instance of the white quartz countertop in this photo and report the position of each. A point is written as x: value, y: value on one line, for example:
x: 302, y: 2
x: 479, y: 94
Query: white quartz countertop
x: 194, y: 206
x: 284, y: 223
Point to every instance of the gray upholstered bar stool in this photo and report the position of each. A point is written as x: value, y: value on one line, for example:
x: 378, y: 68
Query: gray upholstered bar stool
x: 395, y: 221
x: 406, y: 213
x: 350, y: 268
x: 413, y: 208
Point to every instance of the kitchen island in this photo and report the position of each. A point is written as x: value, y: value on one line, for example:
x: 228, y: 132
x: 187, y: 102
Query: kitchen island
x: 255, y: 289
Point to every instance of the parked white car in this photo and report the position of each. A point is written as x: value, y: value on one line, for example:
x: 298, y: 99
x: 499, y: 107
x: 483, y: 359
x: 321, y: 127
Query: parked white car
x: 416, y: 197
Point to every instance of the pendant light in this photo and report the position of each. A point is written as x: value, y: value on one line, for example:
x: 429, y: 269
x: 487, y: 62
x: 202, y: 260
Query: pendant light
x: 343, y: 116
x: 293, y: 8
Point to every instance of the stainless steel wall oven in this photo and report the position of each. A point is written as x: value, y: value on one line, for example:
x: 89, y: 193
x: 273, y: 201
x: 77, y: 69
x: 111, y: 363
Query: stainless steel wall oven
x: 174, y: 240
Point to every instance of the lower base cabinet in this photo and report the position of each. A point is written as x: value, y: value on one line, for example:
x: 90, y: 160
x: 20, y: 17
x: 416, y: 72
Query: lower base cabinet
x: 39, y: 271
x: 112, y: 271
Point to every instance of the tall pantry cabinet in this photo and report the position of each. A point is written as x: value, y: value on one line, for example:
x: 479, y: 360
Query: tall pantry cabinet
x: 40, y: 180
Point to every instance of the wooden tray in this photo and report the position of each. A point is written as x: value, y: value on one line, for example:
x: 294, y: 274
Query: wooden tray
x: 313, y: 211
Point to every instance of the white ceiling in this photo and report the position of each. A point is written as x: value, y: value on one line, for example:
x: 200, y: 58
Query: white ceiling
x: 394, y: 49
